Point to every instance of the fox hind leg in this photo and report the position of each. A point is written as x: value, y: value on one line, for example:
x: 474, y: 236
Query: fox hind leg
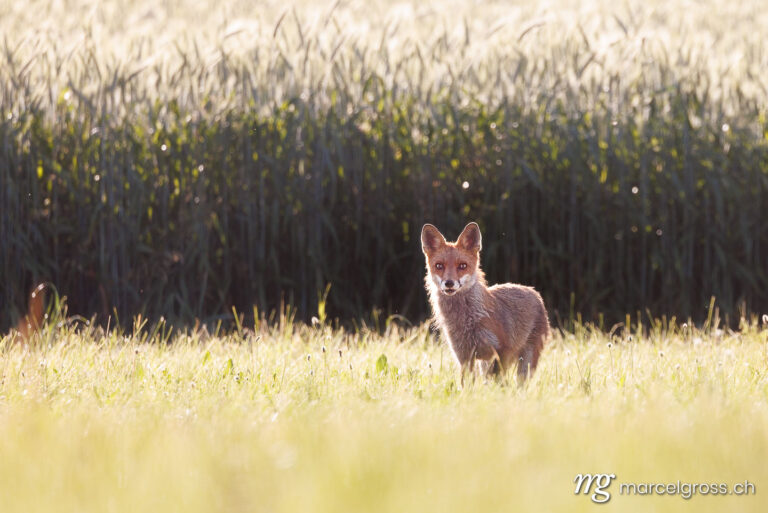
x: 490, y: 368
x: 493, y: 367
x: 525, y: 364
x: 529, y: 357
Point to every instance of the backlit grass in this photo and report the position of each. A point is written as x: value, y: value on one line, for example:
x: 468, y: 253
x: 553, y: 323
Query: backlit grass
x: 296, y: 418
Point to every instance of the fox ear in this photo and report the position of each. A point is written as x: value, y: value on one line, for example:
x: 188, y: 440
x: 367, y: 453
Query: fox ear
x: 431, y: 239
x: 470, y: 238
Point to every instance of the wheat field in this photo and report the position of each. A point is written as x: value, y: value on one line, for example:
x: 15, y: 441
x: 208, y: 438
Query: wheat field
x: 291, y: 417
x: 179, y: 158
x: 196, y: 52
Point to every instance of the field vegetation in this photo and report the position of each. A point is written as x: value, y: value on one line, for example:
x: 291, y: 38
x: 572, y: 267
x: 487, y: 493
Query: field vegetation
x: 286, y: 417
x: 177, y: 159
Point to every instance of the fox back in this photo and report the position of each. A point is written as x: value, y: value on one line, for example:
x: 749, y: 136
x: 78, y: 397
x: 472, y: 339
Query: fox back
x: 500, y: 325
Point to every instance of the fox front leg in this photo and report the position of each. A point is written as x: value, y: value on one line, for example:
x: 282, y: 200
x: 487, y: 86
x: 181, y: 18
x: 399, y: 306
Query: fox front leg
x: 466, y: 363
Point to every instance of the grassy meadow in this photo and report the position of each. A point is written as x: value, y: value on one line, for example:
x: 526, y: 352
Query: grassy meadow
x: 297, y: 418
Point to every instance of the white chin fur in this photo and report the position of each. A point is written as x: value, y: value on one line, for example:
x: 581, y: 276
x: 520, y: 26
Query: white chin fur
x: 457, y: 285
x: 466, y: 281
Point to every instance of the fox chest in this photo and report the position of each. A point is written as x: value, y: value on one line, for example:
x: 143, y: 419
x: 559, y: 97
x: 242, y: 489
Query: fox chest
x: 468, y: 334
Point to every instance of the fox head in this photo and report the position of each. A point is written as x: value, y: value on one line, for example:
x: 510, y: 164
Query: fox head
x: 452, y: 266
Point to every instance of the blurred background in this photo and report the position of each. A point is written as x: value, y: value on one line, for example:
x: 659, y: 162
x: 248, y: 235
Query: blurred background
x: 180, y: 158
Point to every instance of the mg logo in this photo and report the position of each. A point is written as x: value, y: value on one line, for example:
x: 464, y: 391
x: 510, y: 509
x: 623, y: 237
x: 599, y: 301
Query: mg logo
x: 600, y: 481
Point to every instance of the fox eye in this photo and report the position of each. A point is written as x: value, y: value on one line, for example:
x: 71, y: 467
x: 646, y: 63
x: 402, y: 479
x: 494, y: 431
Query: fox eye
x: 439, y: 266
x: 462, y: 266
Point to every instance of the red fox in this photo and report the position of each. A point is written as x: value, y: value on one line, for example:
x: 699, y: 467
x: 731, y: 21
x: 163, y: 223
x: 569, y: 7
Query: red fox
x: 34, y: 319
x: 499, y: 325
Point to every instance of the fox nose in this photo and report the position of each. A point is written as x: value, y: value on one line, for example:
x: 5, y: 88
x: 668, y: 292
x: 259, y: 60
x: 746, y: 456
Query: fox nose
x: 449, y: 284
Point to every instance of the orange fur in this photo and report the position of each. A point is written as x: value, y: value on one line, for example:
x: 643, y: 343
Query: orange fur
x: 35, y: 314
x: 500, y: 326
